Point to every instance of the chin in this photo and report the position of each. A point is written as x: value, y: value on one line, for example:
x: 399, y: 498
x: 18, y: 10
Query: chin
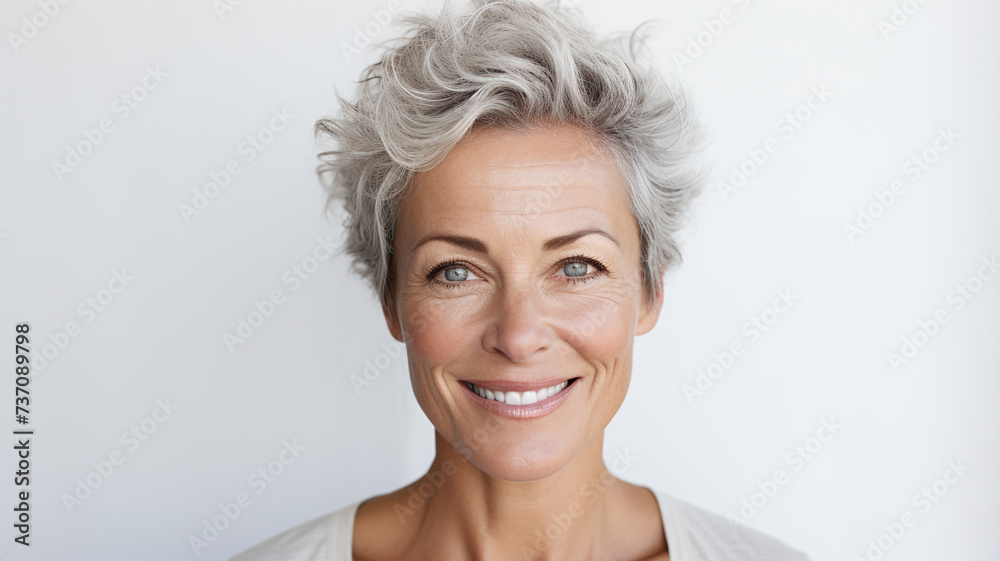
x: 517, y: 467
x: 513, y: 457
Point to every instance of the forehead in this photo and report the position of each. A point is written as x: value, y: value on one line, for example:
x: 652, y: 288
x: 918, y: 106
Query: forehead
x: 555, y: 172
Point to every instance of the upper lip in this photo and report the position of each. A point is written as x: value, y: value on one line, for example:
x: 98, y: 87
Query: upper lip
x: 518, y: 386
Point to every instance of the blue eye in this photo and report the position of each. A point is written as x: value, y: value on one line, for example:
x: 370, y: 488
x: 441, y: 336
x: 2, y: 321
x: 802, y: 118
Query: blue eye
x: 456, y: 273
x: 574, y: 270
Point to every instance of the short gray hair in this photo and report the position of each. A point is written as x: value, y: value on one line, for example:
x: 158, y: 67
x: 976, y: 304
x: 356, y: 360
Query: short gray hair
x: 515, y: 64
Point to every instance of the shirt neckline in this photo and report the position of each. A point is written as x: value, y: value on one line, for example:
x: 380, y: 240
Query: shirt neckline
x: 340, y: 545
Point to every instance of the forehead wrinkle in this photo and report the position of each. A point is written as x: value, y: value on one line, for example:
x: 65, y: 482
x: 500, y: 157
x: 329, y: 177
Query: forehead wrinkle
x: 576, y: 170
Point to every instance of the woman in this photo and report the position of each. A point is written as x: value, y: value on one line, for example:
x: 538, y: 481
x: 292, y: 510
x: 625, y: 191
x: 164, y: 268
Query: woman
x: 512, y: 187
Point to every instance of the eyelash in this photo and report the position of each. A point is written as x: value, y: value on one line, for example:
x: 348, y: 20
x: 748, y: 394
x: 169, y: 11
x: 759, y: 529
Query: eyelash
x: 601, y: 269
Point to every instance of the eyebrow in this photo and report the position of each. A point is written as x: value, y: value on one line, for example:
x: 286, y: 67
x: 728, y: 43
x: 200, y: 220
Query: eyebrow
x: 473, y: 244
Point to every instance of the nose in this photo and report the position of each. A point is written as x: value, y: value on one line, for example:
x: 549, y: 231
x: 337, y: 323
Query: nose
x: 518, y: 328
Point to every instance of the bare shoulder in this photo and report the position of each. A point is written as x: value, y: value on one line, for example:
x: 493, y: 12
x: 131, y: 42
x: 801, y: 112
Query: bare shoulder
x: 641, y: 524
x: 380, y: 526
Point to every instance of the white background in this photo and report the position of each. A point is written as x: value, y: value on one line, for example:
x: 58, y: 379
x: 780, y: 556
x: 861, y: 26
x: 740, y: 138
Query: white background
x: 62, y: 238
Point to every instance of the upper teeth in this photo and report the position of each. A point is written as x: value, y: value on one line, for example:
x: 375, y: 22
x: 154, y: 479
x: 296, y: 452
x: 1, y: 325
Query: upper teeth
x: 518, y: 398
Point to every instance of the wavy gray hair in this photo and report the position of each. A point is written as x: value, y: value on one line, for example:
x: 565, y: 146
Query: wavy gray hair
x: 515, y: 64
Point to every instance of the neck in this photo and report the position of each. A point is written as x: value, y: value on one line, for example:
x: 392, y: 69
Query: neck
x: 458, y: 511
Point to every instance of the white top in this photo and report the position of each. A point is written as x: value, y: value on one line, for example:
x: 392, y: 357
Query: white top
x: 692, y: 534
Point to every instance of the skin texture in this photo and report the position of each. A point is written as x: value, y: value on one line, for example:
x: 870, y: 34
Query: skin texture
x: 513, y: 312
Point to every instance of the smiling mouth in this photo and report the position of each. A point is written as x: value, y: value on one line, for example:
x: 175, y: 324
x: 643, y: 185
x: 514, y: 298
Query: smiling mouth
x: 520, y: 398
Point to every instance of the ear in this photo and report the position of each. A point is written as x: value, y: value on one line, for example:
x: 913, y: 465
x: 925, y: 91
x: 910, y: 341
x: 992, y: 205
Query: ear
x: 649, y: 312
x: 392, y: 316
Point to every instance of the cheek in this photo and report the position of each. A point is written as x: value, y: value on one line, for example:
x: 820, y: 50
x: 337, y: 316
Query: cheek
x: 599, y: 328
x: 438, y: 330
x: 602, y: 332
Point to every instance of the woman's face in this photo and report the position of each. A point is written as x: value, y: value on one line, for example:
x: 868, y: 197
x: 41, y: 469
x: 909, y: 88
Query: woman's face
x: 518, y: 267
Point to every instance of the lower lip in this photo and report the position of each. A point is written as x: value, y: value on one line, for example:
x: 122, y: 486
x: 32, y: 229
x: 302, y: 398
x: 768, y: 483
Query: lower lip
x: 532, y: 411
